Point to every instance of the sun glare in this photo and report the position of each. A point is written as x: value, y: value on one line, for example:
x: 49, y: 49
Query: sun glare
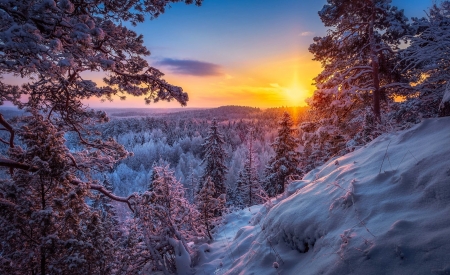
x: 295, y: 94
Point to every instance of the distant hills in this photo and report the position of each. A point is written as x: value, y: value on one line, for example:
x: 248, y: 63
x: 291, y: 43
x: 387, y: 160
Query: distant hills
x: 220, y: 113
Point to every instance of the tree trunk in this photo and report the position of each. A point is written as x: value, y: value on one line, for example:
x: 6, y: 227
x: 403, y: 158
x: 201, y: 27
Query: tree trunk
x: 375, y: 68
x: 43, y: 264
x: 44, y: 233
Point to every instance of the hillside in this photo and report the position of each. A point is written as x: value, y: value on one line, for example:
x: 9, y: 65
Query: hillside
x: 383, y: 209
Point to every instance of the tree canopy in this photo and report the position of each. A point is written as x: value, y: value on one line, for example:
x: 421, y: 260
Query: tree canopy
x: 51, y: 44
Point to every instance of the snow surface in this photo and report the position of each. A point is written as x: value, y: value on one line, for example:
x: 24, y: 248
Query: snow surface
x: 383, y: 209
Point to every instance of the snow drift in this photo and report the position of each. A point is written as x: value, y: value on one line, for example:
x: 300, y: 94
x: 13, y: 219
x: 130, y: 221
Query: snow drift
x: 383, y: 209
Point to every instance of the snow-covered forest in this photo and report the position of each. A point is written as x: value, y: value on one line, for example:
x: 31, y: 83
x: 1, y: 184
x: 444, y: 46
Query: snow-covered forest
x: 357, y: 182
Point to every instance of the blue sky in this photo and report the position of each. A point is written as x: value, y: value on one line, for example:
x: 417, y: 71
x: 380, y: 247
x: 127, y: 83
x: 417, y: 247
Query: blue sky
x: 240, y: 52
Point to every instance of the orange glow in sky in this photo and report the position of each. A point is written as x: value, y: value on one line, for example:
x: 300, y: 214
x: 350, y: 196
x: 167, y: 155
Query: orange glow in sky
x: 236, y: 52
x: 275, y: 82
x: 233, y: 53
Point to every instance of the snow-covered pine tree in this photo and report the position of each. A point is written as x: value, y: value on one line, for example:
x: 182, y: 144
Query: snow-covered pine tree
x: 104, y: 229
x: 191, y: 185
x: 51, y: 46
x: 249, y: 190
x: 426, y: 62
x: 208, y: 205
x: 234, y: 196
x: 46, y: 227
x: 214, y: 159
x: 167, y: 222
x: 133, y: 258
x: 286, y: 159
x: 358, y: 55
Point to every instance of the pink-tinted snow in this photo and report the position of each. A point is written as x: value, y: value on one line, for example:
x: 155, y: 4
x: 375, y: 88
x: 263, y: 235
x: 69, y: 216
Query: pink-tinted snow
x: 383, y: 209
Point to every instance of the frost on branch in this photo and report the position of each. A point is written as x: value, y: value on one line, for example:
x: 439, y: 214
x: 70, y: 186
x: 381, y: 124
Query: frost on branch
x: 51, y: 45
x: 167, y: 222
x: 427, y: 60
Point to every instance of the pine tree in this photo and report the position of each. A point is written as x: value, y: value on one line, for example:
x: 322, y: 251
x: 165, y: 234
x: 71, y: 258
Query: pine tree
x: 167, y: 221
x: 286, y: 159
x: 46, y: 227
x: 214, y: 160
x: 50, y: 47
x: 235, y: 196
x: 426, y: 62
x: 208, y: 206
x: 249, y: 188
x: 358, y: 55
x: 192, y: 185
x: 103, y: 228
x: 133, y: 258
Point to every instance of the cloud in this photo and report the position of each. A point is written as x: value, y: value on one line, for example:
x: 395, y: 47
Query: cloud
x: 306, y: 34
x: 191, y: 67
x: 275, y: 85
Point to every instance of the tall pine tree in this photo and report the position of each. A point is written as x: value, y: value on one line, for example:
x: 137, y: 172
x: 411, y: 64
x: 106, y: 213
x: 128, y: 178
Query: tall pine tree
x: 359, y: 57
x: 286, y: 159
x: 167, y: 221
x: 46, y: 227
x: 358, y: 54
x: 214, y: 160
x: 426, y: 62
x: 249, y: 190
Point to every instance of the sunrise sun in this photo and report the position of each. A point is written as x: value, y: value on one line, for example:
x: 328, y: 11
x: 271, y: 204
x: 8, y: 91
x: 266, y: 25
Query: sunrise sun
x: 295, y: 94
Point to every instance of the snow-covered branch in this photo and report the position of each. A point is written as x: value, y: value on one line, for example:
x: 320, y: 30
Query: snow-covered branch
x: 110, y: 195
x: 16, y: 165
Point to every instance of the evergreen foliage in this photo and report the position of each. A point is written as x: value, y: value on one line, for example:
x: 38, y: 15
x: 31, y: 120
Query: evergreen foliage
x: 249, y: 191
x: 360, y: 77
x: 208, y: 206
x: 286, y: 160
x: 45, y: 225
x: 426, y: 63
x: 165, y: 217
x: 214, y: 159
x: 357, y: 55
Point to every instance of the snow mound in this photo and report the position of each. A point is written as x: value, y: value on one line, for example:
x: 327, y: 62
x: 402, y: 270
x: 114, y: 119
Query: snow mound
x: 383, y: 209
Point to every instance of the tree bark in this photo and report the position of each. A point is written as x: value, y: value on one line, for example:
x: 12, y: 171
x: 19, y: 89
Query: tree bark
x: 375, y: 67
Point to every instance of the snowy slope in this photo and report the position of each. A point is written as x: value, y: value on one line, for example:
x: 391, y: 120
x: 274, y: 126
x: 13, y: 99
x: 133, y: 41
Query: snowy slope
x: 347, y: 217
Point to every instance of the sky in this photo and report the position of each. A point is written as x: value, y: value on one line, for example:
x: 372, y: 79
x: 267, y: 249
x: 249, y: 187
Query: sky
x: 239, y: 52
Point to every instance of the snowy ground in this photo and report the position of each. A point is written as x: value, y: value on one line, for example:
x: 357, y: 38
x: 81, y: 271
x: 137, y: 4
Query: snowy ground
x: 383, y: 209
x: 223, y: 251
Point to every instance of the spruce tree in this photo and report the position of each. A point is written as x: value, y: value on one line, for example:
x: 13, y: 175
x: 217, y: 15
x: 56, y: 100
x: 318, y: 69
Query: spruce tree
x: 426, y: 62
x: 249, y: 188
x: 214, y: 160
x: 286, y: 159
x: 46, y: 227
x: 208, y: 206
x: 166, y: 220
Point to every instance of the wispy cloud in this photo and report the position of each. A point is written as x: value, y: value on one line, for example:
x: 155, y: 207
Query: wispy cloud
x: 306, y: 34
x: 191, y: 67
